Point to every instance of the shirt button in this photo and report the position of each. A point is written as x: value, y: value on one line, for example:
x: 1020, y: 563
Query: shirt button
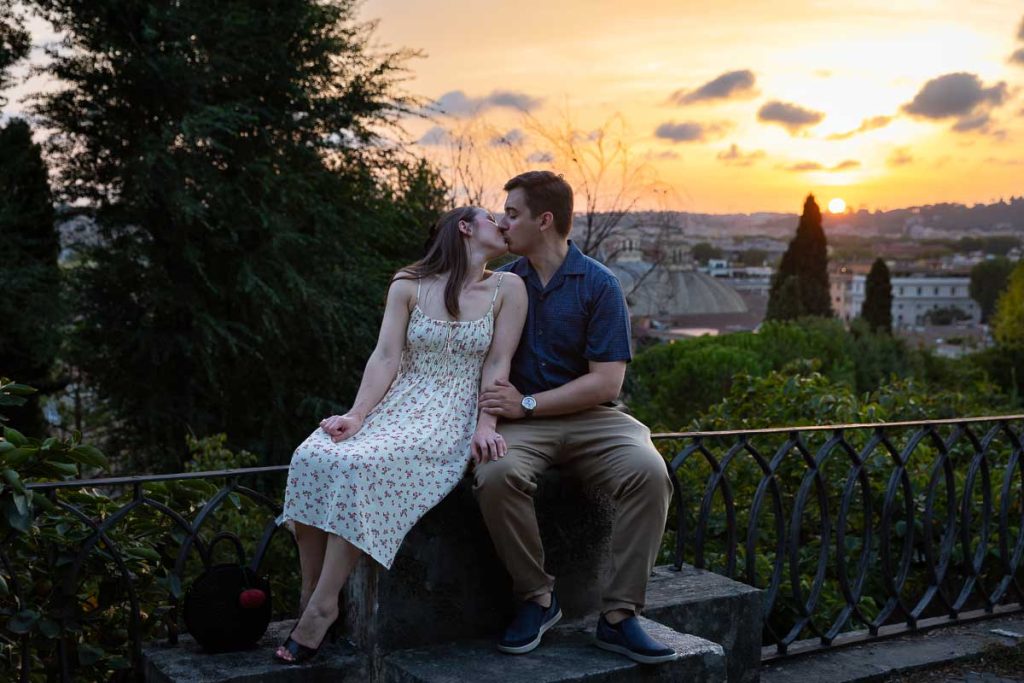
x: 543, y: 364
x: 540, y: 333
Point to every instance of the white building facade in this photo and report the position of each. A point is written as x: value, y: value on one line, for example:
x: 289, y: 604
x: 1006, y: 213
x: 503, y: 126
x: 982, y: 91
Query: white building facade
x: 914, y: 297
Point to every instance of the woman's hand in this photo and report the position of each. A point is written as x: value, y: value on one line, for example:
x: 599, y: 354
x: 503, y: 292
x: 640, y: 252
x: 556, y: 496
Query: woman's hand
x: 341, y: 427
x: 487, y: 445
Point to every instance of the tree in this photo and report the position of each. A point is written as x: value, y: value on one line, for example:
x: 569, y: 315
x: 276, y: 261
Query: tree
x: 30, y: 279
x: 877, y: 310
x: 946, y: 315
x: 609, y: 182
x: 703, y: 252
x: 15, y: 43
x: 786, y: 303
x: 988, y: 280
x: 250, y: 214
x: 805, y: 259
x: 603, y: 171
x: 1008, y: 320
x: 753, y: 257
x: 998, y: 245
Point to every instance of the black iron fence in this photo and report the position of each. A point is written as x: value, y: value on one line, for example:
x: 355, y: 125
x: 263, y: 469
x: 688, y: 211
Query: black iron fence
x: 113, y: 565
x: 856, y: 531
x: 853, y: 532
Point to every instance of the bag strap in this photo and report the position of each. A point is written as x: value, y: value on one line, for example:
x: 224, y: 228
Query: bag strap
x: 226, y: 536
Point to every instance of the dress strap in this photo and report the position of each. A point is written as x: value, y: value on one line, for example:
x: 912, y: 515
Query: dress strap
x: 419, y: 282
x: 494, y: 297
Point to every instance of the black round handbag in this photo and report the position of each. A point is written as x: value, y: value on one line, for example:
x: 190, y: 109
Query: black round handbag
x: 228, y: 606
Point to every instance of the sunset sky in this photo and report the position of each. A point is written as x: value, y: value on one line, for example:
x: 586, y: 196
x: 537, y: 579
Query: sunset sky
x: 735, y: 105
x: 743, y: 105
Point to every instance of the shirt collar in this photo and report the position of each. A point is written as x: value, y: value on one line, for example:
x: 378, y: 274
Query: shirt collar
x: 575, y: 263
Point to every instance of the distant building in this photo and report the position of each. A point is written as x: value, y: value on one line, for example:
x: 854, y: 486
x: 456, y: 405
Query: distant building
x: 916, y: 295
x: 671, y: 299
x: 753, y: 280
x: 718, y: 268
x: 669, y: 291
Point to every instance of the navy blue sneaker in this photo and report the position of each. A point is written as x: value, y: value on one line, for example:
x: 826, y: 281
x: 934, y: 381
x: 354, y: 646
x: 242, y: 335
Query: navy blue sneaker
x: 525, y: 631
x: 629, y: 638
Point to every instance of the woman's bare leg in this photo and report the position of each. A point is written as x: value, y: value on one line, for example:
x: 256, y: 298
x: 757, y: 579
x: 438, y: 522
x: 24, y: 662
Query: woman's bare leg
x: 339, y: 560
x: 312, y: 544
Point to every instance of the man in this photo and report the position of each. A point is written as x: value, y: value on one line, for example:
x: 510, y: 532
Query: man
x: 557, y: 410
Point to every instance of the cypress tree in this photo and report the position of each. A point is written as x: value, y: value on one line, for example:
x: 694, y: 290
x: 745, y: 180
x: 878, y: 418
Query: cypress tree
x: 806, y: 259
x: 249, y: 214
x: 877, y: 309
x: 30, y: 279
x: 787, y: 303
x: 988, y: 280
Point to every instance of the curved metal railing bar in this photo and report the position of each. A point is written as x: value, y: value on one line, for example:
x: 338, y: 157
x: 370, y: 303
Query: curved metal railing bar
x: 98, y: 537
x: 837, y: 494
x: 903, y: 538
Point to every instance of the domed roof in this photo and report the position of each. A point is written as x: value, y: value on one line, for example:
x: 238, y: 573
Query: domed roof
x: 670, y: 291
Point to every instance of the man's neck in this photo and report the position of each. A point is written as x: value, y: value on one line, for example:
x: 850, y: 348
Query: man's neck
x: 547, y: 260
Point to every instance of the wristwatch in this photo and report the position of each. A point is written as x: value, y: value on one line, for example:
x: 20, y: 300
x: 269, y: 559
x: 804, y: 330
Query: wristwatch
x: 529, y: 404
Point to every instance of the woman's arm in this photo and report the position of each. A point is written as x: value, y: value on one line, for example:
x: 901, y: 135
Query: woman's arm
x: 508, y: 327
x: 381, y: 367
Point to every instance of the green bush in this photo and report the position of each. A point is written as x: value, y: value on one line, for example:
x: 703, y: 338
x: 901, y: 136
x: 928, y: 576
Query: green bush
x: 44, y: 595
x: 801, y: 394
x: 670, y: 384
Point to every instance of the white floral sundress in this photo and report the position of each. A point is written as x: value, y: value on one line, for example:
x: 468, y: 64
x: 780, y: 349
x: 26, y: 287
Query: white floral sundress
x: 413, y: 447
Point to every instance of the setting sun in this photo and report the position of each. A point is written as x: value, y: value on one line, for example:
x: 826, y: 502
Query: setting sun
x: 837, y: 205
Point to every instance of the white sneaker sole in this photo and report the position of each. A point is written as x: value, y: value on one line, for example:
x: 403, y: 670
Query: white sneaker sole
x: 643, y: 659
x: 532, y: 645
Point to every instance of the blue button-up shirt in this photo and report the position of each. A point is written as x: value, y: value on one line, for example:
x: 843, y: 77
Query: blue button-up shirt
x: 580, y: 316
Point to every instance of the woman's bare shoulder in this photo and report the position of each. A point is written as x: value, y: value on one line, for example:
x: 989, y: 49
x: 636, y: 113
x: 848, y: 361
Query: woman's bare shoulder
x: 513, y: 280
x: 403, y: 286
x: 513, y: 288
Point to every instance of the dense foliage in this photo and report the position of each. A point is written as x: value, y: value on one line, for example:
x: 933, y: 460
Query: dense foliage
x: 249, y: 215
x: 57, y: 582
x: 1008, y: 320
x: 988, y: 281
x: 31, y: 309
x: 671, y: 384
x: 800, y: 394
x: 15, y: 43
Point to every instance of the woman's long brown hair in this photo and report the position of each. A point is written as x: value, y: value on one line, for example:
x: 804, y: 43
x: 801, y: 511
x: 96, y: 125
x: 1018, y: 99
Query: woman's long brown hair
x: 445, y: 254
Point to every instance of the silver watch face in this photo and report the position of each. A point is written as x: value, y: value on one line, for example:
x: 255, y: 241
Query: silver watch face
x: 529, y: 402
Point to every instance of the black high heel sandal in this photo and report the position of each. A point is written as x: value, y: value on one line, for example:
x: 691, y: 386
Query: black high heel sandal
x: 299, y: 652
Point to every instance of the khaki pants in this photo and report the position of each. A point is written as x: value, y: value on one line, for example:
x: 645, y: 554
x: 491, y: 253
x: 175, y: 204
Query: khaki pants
x: 604, y: 448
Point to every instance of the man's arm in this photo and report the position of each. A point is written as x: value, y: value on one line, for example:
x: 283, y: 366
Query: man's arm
x: 601, y: 384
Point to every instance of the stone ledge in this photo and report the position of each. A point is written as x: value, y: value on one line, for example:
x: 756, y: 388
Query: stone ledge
x: 714, y: 607
x: 448, y: 584
x: 881, y: 660
x: 567, y: 654
x: 337, y: 662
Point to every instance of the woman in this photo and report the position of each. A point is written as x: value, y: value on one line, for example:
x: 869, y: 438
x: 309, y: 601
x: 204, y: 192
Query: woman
x: 360, y: 481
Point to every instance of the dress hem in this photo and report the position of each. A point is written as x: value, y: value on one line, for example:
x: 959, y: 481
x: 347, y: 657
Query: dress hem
x: 288, y: 518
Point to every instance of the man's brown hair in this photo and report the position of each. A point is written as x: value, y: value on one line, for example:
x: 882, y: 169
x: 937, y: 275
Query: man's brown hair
x: 546, y: 191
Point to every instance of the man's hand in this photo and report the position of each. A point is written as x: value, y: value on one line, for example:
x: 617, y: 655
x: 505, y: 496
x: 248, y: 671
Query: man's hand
x: 341, y: 427
x: 502, y: 399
